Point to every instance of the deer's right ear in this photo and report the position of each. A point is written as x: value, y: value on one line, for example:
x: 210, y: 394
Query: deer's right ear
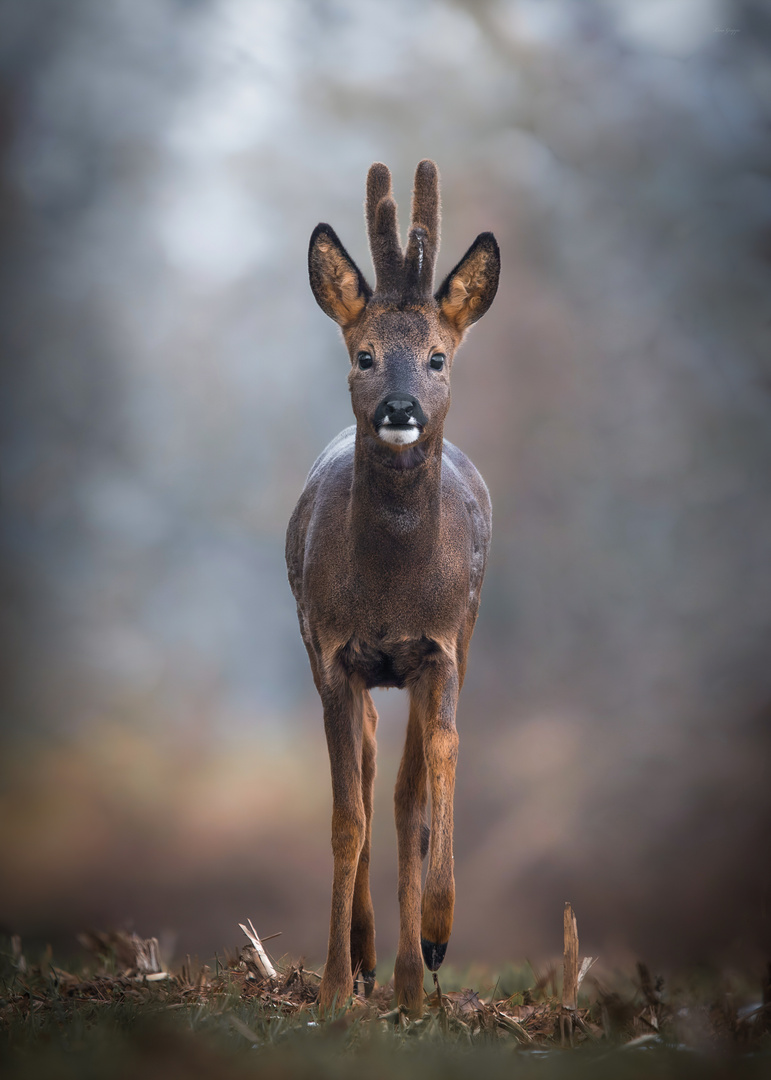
x: 338, y: 285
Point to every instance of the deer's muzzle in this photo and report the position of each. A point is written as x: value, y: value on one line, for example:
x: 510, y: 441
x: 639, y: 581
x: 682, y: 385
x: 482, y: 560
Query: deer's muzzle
x: 399, y: 418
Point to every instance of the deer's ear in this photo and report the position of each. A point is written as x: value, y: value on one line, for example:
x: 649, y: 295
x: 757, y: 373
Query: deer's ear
x: 468, y: 290
x: 338, y: 285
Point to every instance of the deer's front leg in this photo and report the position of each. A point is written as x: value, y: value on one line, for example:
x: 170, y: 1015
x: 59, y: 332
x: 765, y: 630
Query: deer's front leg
x: 363, y: 958
x: 440, y: 687
x: 410, y: 803
x: 343, y: 715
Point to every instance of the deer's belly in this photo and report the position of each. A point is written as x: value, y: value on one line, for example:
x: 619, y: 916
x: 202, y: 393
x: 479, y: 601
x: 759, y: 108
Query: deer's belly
x: 387, y: 663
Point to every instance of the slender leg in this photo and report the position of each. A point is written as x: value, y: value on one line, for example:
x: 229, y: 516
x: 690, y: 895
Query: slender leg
x: 440, y: 687
x: 410, y: 802
x: 343, y: 722
x: 363, y: 958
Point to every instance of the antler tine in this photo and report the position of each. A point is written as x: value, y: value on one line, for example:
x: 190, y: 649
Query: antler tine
x: 425, y: 199
x: 378, y: 187
x: 383, y: 230
x: 423, y: 241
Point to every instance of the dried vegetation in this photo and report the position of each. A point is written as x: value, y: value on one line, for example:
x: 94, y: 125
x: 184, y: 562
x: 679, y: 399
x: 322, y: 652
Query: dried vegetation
x: 229, y: 1014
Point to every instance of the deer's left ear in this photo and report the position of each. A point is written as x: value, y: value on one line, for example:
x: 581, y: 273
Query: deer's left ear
x: 468, y: 290
x: 337, y: 283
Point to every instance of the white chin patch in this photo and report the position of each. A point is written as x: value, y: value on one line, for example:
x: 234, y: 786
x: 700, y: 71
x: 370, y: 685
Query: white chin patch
x: 398, y: 436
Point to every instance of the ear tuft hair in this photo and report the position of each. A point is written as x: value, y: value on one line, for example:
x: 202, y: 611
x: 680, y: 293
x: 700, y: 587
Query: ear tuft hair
x: 469, y: 289
x: 337, y: 283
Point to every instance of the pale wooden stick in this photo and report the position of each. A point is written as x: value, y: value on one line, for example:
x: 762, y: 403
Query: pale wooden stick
x: 570, y: 968
x: 260, y: 956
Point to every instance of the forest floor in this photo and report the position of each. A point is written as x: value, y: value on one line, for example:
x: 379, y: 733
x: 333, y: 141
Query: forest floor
x: 110, y: 1015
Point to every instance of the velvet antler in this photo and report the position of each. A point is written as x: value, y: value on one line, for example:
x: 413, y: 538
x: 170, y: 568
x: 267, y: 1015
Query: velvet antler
x: 409, y: 276
x: 423, y: 240
x: 383, y: 231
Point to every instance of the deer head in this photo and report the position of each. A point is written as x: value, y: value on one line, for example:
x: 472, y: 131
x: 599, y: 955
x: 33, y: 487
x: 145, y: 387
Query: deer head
x: 401, y: 336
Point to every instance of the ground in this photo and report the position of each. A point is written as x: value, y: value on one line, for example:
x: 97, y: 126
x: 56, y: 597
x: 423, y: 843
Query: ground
x: 105, y: 1016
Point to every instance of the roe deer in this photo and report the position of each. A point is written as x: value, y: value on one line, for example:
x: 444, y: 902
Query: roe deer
x: 386, y: 552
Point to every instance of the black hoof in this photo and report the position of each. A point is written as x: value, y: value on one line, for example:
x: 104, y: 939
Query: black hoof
x: 368, y: 978
x: 433, y: 954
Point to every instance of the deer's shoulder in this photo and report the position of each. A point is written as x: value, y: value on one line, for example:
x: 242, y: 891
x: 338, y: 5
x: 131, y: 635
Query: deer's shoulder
x: 334, y: 458
x: 331, y: 472
x: 459, y: 474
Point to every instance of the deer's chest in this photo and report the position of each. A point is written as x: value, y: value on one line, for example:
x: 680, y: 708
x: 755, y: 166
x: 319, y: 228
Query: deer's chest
x: 381, y: 619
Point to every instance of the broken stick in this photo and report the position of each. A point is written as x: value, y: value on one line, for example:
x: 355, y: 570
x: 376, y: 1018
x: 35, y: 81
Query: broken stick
x: 570, y: 967
x: 261, y: 961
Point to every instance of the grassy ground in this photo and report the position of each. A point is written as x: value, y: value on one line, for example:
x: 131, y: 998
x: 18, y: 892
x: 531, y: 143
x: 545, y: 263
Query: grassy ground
x: 101, y: 1018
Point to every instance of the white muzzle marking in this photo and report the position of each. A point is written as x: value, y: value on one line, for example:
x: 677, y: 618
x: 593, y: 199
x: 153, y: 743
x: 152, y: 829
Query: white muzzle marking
x: 399, y: 436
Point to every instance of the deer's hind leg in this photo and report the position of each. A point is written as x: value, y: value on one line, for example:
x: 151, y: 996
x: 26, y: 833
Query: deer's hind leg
x: 363, y: 958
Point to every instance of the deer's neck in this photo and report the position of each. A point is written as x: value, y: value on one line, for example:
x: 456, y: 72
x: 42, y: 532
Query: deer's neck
x: 396, y: 509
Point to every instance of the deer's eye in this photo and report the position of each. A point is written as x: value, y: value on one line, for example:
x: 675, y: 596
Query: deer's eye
x: 365, y: 360
x: 437, y: 361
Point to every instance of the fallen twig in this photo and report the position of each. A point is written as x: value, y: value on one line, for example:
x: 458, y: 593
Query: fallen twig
x: 261, y: 961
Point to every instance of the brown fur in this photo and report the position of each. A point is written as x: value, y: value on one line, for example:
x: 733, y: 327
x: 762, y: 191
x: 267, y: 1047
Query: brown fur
x: 386, y: 552
x: 383, y: 231
x: 423, y: 241
x: 338, y: 284
x: 469, y: 289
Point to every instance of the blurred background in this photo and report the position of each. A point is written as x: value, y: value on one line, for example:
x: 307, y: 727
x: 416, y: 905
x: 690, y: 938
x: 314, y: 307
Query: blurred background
x: 168, y: 381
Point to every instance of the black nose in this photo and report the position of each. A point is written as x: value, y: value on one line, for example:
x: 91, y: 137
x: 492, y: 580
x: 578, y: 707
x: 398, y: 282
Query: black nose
x: 399, y: 410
